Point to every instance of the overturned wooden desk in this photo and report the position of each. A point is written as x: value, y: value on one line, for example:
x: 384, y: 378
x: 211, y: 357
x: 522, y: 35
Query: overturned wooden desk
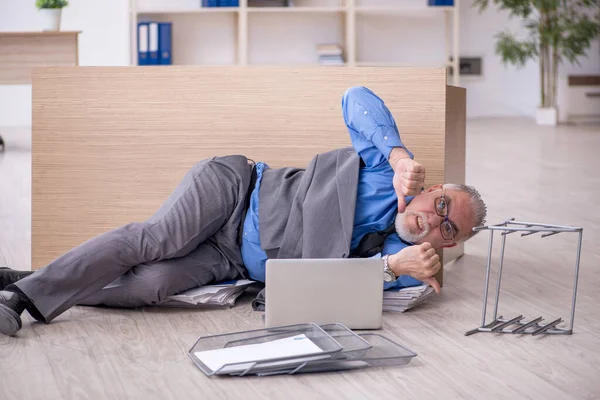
x: 111, y: 143
x: 20, y: 52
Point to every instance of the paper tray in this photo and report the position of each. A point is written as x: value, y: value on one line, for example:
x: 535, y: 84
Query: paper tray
x: 354, y: 347
x: 384, y: 352
x: 326, y: 346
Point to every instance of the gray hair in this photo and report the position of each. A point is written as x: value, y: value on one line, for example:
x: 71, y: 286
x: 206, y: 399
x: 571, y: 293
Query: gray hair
x: 477, y: 204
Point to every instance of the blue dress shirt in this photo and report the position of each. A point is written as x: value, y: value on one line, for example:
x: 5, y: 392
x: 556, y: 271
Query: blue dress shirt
x: 374, y: 134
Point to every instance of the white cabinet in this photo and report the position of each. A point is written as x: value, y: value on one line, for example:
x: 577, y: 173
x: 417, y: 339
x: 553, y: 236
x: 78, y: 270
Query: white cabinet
x: 579, y: 99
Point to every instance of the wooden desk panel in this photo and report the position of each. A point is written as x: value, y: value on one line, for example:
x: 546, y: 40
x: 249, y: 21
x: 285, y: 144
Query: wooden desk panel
x: 20, y: 52
x: 110, y: 143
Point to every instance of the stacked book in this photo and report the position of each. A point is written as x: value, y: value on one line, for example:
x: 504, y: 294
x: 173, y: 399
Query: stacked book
x: 268, y: 3
x: 407, y: 298
x: 330, y: 54
x: 220, y: 3
x: 222, y: 294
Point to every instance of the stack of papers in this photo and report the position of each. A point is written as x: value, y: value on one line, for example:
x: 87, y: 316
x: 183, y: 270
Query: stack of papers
x: 222, y: 294
x: 407, y: 298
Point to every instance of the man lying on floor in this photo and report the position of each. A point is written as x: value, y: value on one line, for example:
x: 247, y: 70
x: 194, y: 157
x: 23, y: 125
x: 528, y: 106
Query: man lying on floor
x: 229, y: 215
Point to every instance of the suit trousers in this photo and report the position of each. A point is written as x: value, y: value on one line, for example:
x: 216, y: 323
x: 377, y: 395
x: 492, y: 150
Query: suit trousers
x: 192, y: 240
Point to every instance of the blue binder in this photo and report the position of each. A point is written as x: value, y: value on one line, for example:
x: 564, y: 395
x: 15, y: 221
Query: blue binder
x: 142, y: 43
x: 153, y: 43
x: 164, y: 43
x: 210, y: 3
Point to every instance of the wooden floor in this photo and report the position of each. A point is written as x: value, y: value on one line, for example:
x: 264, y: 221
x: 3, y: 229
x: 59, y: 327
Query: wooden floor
x: 524, y: 171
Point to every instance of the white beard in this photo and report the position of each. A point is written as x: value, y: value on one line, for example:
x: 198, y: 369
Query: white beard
x: 402, y: 226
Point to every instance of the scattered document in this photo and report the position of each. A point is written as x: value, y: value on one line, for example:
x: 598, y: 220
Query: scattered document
x: 298, y: 345
x: 407, y: 298
x: 222, y: 294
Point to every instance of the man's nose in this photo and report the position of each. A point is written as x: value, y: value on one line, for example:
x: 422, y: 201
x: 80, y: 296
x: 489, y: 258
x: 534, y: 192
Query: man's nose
x: 435, y: 220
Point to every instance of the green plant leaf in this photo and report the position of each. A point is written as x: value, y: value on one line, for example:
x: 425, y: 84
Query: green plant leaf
x: 513, y: 51
x: 51, y: 3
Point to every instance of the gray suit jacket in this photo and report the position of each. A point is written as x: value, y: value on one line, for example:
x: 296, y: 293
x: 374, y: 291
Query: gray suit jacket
x: 309, y: 213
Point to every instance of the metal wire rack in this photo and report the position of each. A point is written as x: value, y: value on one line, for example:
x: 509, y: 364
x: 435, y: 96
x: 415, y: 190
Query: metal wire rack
x: 517, y: 325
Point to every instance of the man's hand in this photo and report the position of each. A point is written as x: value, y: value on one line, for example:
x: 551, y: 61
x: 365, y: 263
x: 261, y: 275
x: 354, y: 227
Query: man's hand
x: 409, y: 176
x: 419, y: 261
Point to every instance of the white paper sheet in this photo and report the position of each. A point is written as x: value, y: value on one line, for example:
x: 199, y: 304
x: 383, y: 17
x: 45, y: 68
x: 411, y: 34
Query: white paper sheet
x: 298, y: 345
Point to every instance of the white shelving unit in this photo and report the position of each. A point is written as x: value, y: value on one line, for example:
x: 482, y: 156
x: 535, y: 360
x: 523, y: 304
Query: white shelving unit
x: 369, y: 30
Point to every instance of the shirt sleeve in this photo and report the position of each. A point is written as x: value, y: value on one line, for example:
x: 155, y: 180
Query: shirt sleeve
x: 372, y: 127
x: 392, y: 245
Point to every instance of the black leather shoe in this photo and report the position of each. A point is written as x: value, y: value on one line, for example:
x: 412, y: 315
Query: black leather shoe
x: 11, y: 308
x: 8, y: 276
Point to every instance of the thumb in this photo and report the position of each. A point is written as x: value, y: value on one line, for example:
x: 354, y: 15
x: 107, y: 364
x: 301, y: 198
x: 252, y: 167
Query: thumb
x: 401, y: 204
x: 433, y: 283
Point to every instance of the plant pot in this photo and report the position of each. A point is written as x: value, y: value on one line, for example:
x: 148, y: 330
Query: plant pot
x: 50, y: 18
x: 547, y: 116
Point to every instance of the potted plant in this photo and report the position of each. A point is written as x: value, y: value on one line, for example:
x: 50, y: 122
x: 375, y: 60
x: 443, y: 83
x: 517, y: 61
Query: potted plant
x: 50, y: 13
x: 557, y: 30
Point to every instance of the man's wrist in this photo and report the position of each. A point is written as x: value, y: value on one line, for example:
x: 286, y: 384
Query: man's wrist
x: 395, y: 265
x: 397, y: 154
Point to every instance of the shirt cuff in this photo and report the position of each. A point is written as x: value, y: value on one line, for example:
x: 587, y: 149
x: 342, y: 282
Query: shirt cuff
x: 402, y: 281
x: 385, y: 139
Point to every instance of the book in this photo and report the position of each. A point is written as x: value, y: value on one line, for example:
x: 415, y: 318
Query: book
x: 267, y: 3
x: 329, y: 49
x: 330, y: 54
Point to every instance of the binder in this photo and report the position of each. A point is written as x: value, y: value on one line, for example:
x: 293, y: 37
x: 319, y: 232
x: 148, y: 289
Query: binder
x: 153, y: 43
x: 142, y: 43
x: 437, y: 3
x: 210, y: 3
x: 164, y: 43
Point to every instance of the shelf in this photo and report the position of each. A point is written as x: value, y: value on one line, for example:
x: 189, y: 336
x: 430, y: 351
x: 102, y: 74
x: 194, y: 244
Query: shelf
x: 364, y: 10
x: 191, y: 11
x: 401, y: 64
x: 282, y: 35
x: 296, y: 9
x: 402, y: 10
x: 297, y: 65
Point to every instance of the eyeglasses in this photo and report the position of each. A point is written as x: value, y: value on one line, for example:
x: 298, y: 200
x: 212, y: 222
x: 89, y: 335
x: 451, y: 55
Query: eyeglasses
x: 441, y: 209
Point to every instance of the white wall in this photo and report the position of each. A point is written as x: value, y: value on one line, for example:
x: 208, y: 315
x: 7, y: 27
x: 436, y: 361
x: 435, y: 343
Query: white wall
x: 505, y: 90
x: 502, y: 90
x: 104, y: 25
x: 105, y: 41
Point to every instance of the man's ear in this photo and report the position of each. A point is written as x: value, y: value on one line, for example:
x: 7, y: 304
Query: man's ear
x: 434, y: 187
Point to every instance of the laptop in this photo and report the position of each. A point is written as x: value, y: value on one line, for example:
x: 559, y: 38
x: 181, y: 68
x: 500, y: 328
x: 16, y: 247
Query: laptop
x: 323, y: 291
